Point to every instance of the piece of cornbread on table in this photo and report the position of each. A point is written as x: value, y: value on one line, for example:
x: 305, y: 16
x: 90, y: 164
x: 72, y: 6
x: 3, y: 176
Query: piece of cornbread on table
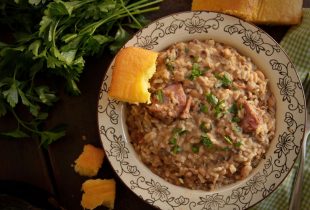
x: 98, y: 192
x: 132, y: 70
x: 281, y: 12
x: 241, y: 8
x: 89, y: 161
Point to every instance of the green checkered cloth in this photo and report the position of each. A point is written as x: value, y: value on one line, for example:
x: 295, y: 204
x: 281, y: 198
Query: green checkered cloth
x: 297, y: 45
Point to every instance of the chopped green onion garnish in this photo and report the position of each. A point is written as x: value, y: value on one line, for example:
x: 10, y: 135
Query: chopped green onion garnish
x: 235, y: 119
x: 228, y: 139
x: 160, y: 96
x: 169, y: 66
x: 212, y: 99
x: 238, y: 144
x: 205, y: 140
x: 196, y: 72
x: 195, y: 148
x: 226, y: 82
x: 219, y: 109
x: 173, y: 141
x: 234, y: 108
x: 176, y: 149
x: 203, y: 108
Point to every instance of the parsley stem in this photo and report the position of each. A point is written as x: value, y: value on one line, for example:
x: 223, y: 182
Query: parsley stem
x: 133, y: 10
x: 21, y: 122
x: 144, y: 5
x: 129, y: 13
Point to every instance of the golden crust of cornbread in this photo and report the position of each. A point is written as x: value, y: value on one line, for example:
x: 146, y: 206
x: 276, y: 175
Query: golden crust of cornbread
x: 132, y: 70
x: 98, y: 192
x: 89, y: 161
x: 282, y: 12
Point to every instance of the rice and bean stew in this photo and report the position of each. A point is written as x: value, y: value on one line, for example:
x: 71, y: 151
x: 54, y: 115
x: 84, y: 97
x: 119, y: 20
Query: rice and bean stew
x: 211, y: 118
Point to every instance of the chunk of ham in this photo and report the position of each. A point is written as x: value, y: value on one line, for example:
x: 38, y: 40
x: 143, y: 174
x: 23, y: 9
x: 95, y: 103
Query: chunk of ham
x: 251, y: 119
x: 173, y: 104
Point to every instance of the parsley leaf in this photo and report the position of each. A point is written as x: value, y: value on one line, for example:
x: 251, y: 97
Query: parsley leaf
x: 160, y: 96
x: 219, y: 109
x: 176, y: 149
x: 195, y: 148
x: 234, y: 108
x: 205, y: 140
x: 196, y: 72
x: 225, y: 80
x: 203, y: 108
x: 52, y: 40
x: 212, y: 99
x: 228, y: 139
x: 238, y: 144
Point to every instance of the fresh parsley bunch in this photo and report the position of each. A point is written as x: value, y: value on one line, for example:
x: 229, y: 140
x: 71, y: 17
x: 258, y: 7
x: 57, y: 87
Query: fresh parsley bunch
x: 51, y: 38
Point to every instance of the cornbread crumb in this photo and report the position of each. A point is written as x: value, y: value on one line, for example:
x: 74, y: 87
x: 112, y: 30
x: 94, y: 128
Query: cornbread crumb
x: 98, y: 192
x: 89, y: 162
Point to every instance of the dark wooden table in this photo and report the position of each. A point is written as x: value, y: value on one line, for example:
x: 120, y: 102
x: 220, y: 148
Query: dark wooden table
x: 51, y: 170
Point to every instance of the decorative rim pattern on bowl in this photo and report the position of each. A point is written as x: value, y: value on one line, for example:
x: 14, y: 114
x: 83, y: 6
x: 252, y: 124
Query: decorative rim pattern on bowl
x: 290, y: 115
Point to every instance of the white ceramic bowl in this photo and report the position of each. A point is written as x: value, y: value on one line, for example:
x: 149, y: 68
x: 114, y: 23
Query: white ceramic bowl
x: 290, y: 115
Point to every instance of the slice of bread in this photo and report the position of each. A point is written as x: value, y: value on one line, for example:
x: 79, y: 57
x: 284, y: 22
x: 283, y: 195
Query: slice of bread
x: 89, y: 161
x: 281, y: 12
x: 98, y: 192
x: 132, y: 70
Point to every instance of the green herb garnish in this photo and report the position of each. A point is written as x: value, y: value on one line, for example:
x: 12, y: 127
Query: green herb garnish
x: 238, y: 144
x: 205, y: 140
x: 196, y: 72
x: 225, y: 81
x: 228, y: 139
x: 195, y: 148
x: 212, y: 99
x: 51, y: 41
x: 160, y: 96
x: 234, y: 108
x: 170, y: 66
x: 203, y: 108
x: 173, y: 141
x: 219, y: 109
x: 176, y: 149
x: 235, y: 119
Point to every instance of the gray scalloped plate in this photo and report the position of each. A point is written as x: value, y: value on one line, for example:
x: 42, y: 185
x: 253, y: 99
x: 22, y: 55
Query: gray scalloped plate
x: 290, y: 116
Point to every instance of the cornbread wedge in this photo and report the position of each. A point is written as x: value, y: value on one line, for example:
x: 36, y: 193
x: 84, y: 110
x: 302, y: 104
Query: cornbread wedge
x: 279, y: 12
x: 98, y: 192
x: 89, y: 162
x: 282, y: 12
x: 241, y: 8
x: 132, y: 70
